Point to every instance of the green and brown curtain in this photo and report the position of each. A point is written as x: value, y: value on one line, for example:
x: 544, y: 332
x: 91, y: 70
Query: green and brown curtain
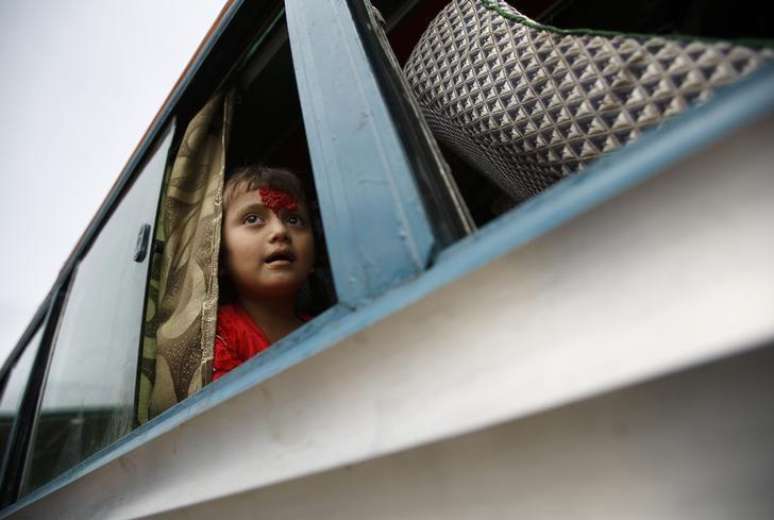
x: 183, y: 297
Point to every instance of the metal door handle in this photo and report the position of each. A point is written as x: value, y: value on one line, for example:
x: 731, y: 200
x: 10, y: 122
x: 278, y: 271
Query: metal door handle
x: 141, y: 248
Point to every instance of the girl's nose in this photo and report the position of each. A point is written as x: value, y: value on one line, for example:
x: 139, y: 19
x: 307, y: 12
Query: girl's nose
x: 278, y: 230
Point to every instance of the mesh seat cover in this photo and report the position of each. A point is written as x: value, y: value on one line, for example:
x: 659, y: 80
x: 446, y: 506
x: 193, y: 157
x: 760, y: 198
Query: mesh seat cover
x: 528, y: 105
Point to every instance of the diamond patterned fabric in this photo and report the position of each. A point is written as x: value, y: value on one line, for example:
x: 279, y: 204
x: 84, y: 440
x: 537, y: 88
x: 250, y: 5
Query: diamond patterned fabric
x: 528, y: 105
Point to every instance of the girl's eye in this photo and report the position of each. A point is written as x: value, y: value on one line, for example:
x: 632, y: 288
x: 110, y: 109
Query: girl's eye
x: 295, y: 220
x: 252, y: 218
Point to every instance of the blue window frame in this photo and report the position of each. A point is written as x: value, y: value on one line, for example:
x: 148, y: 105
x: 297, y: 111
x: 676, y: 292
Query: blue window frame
x: 363, y: 169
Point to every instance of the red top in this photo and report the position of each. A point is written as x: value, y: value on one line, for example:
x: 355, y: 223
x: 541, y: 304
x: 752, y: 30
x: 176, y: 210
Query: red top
x: 237, y: 339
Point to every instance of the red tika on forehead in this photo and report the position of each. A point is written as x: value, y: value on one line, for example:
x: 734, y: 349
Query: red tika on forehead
x: 276, y: 200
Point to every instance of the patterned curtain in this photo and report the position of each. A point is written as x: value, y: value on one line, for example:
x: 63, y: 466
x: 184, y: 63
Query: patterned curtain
x: 183, y: 296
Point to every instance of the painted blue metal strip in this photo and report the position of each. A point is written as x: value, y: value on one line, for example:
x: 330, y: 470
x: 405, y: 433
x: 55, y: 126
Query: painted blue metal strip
x: 375, y: 223
x: 733, y: 107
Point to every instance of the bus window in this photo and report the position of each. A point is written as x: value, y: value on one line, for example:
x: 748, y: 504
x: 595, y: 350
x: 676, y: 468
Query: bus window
x: 14, y: 391
x: 518, y: 105
x: 268, y: 129
x: 89, y: 392
x: 256, y: 124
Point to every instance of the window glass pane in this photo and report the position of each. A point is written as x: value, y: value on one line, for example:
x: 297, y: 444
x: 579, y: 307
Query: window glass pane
x: 14, y: 390
x: 256, y: 128
x: 88, y: 399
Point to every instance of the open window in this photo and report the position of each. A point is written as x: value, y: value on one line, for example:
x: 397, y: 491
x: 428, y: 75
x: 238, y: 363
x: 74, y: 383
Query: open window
x: 268, y: 129
x: 252, y: 116
x: 520, y: 100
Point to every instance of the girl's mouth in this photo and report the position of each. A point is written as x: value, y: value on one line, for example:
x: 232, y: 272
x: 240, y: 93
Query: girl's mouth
x: 280, y: 258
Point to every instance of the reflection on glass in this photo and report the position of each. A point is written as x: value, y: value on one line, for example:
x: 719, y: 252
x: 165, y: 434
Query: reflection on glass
x: 14, y: 391
x: 88, y: 398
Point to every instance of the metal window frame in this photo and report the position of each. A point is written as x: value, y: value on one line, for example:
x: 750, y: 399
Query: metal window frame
x: 15, y: 458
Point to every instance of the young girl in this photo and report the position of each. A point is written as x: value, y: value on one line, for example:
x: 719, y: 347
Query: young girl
x: 267, y: 253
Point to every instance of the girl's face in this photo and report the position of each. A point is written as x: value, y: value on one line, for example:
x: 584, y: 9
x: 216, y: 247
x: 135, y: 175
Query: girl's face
x: 268, y: 243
